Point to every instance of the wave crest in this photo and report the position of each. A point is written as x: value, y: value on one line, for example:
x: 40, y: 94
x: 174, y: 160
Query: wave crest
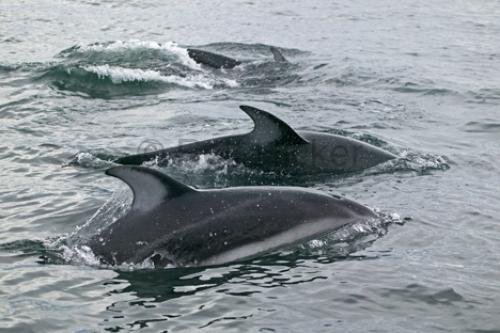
x: 130, y: 51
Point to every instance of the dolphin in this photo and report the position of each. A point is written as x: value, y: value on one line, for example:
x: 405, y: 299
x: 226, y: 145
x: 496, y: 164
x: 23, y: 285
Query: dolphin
x: 171, y: 223
x: 273, y: 146
x: 211, y: 59
x: 218, y: 61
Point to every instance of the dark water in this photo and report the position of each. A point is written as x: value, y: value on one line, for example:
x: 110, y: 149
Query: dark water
x: 82, y: 82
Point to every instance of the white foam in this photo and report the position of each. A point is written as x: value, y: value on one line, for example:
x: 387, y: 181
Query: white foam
x: 80, y: 255
x: 169, y: 47
x: 87, y: 159
x: 119, y: 75
x: 83, y: 255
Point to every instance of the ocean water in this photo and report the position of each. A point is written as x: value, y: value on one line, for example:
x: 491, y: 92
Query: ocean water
x: 83, y: 82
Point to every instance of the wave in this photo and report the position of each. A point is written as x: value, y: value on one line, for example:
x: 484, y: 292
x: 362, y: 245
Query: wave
x: 485, y: 96
x: 486, y: 126
x: 7, y: 68
x: 119, y: 75
x: 120, y: 68
x: 133, y: 51
x: 109, y: 81
x: 136, y: 68
x: 395, y: 80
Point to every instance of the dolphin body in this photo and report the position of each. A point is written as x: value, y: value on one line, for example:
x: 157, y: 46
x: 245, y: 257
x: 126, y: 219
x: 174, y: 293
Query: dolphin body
x: 273, y: 146
x: 211, y: 59
x: 172, y: 223
x: 218, y: 61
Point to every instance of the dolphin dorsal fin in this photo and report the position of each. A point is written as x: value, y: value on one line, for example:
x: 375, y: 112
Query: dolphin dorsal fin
x: 270, y: 129
x: 278, y: 56
x: 150, y: 186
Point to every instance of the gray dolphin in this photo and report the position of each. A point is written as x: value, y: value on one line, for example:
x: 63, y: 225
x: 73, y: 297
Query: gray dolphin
x: 215, y: 60
x: 211, y: 59
x: 170, y: 222
x: 274, y: 146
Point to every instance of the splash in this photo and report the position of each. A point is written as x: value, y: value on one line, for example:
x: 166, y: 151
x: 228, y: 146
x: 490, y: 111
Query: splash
x: 353, y: 237
x: 71, y: 246
x: 112, y: 210
x: 119, y: 75
x: 90, y: 160
x: 132, y: 50
x: 411, y: 162
x: 119, y: 68
x: 79, y: 255
x: 207, y: 170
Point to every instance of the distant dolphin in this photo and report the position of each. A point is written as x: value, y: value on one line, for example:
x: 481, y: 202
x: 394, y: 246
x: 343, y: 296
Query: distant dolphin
x: 274, y: 146
x: 172, y: 223
x: 215, y: 60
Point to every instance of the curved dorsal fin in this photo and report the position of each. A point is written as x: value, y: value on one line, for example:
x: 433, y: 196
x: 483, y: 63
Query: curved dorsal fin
x: 270, y: 129
x: 150, y: 186
x: 278, y: 56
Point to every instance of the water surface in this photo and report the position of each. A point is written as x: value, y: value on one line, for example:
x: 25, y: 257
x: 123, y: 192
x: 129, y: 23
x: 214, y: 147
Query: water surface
x: 82, y: 82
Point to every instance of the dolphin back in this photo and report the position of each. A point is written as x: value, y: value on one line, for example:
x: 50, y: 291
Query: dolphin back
x: 273, y: 145
x: 180, y: 225
x: 211, y: 59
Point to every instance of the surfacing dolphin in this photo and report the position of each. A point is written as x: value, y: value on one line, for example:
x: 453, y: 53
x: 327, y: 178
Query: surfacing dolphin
x: 273, y: 146
x: 215, y: 60
x: 171, y: 223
